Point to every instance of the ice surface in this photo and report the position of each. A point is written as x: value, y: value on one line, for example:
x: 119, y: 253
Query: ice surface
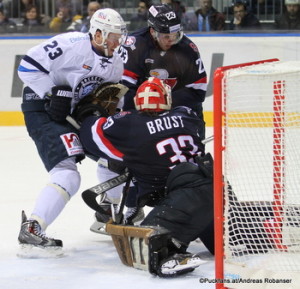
x: 91, y: 261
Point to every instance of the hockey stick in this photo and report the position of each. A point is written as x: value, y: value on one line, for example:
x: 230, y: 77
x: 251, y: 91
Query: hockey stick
x: 208, y: 139
x: 117, y: 216
x: 73, y: 122
x: 89, y: 196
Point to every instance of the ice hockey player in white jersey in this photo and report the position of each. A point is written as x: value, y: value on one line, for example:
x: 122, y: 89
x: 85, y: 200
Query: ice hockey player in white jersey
x: 57, y: 74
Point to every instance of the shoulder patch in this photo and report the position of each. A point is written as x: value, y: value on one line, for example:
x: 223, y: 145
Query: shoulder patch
x: 131, y: 40
x: 194, y: 47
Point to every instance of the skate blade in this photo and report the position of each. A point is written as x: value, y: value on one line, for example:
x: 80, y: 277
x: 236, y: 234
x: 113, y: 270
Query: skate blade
x: 99, y: 228
x: 27, y: 251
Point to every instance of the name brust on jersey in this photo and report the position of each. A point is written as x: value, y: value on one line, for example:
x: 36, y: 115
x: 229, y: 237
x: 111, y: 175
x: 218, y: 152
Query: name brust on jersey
x: 164, y: 123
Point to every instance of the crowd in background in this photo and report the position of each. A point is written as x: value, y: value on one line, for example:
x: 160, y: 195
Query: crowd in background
x: 56, y: 16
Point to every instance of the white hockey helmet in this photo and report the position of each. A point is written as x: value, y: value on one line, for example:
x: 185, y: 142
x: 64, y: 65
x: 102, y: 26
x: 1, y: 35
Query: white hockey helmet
x: 108, y: 21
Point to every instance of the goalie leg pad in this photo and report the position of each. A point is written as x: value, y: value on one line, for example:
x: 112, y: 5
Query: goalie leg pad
x: 148, y: 248
x: 140, y: 247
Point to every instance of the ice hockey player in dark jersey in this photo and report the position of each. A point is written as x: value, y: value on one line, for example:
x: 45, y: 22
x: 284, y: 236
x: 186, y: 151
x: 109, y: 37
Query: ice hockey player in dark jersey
x: 150, y: 146
x: 162, y: 148
x: 163, y: 51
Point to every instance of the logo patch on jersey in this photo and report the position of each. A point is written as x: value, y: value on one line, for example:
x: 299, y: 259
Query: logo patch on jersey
x: 159, y: 73
x: 72, y: 144
x: 164, y: 75
x: 149, y: 60
x: 86, y: 67
x: 86, y: 86
x: 130, y: 41
x: 104, y: 62
x: 109, y: 122
x: 194, y: 47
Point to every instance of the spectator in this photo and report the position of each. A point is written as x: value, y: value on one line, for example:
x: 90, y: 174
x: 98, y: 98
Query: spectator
x: 176, y: 6
x: 266, y: 7
x: 242, y: 19
x: 83, y: 25
x: 290, y: 19
x: 5, y: 6
x: 6, y: 25
x: 105, y: 4
x: 19, y: 7
x: 206, y: 18
x: 33, y: 22
x: 63, y: 19
x: 140, y: 19
x: 77, y: 6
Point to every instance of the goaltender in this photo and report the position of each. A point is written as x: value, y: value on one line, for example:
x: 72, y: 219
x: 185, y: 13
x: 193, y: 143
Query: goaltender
x: 162, y: 149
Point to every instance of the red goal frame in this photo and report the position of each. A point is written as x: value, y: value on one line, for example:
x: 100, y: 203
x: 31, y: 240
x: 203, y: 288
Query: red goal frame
x: 218, y: 161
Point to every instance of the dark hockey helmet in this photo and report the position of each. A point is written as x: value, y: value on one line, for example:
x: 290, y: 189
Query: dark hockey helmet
x: 163, y: 19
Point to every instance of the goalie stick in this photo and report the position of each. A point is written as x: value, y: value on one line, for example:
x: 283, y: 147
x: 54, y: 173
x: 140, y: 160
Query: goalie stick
x: 89, y: 196
x: 208, y: 139
x: 117, y: 216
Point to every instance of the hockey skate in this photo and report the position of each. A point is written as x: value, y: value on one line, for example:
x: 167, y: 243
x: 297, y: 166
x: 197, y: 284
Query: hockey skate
x: 179, y: 264
x: 34, y: 243
x: 101, y: 218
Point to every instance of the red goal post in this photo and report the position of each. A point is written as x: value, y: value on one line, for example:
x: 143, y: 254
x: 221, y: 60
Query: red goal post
x: 256, y: 174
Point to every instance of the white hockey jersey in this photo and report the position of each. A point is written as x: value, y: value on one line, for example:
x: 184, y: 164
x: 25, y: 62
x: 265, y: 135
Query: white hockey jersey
x: 68, y: 59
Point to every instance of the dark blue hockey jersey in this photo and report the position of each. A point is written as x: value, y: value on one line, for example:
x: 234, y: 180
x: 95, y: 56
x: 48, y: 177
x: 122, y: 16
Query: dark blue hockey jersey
x: 181, y: 67
x: 150, y: 146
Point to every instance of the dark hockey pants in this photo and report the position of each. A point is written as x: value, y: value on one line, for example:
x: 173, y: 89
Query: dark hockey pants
x: 187, y: 210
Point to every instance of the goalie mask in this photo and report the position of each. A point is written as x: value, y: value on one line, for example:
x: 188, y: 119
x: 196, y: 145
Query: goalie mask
x: 165, y: 21
x: 153, y: 95
x: 108, y: 21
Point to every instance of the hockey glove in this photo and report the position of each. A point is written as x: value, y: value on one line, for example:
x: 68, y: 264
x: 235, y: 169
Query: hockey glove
x: 59, y: 105
x: 81, y: 112
x: 107, y: 95
x: 206, y: 164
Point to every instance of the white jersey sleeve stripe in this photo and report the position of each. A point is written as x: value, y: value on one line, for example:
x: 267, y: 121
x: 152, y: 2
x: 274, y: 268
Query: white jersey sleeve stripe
x: 201, y: 86
x: 102, y: 142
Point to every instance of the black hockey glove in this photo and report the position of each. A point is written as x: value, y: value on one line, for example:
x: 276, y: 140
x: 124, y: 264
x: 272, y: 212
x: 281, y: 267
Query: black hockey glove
x: 59, y: 105
x: 206, y: 165
x: 81, y: 112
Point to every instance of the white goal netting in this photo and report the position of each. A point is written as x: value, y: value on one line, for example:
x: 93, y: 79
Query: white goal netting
x: 261, y: 168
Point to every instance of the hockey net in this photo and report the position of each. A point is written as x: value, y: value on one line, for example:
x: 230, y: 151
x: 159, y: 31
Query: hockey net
x: 257, y: 175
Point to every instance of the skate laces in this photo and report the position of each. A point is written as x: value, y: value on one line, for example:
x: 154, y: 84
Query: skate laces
x: 35, y: 229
